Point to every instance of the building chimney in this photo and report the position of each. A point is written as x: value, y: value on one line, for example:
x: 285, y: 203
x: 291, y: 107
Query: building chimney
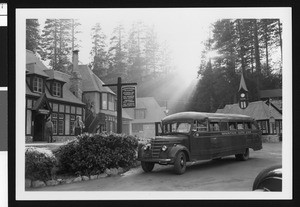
x: 75, y: 60
x: 76, y: 79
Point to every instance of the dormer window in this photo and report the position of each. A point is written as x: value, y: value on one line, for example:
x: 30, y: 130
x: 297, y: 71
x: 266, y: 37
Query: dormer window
x: 37, y: 85
x: 56, y: 89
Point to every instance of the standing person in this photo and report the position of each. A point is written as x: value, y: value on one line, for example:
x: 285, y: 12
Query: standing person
x: 49, y: 130
x: 78, y: 126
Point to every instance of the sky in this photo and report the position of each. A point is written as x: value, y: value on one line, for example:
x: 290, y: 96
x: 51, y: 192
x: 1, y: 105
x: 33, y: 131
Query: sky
x: 184, y: 31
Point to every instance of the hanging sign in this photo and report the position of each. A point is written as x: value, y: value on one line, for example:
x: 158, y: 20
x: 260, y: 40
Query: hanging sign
x: 128, y: 96
x: 43, y: 111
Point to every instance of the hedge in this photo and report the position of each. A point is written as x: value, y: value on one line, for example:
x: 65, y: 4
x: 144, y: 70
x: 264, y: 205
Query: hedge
x: 92, y: 153
x: 40, y: 164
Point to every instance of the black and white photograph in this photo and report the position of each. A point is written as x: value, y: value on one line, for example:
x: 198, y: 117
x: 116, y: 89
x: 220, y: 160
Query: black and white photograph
x: 153, y: 103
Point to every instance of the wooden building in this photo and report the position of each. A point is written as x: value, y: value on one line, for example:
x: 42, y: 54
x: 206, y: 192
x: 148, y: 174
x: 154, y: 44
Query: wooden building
x: 63, y: 97
x: 267, y: 115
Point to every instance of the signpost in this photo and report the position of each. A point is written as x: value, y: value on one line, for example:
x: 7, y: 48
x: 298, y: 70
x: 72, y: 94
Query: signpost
x: 125, y: 98
x: 128, y: 97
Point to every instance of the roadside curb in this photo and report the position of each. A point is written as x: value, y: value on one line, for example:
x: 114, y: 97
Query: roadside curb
x: 54, y: 182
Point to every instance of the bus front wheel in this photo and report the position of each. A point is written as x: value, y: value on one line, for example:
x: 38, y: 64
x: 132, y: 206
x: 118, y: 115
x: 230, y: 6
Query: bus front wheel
x: 147, y: 166
x: 244, y: 156
x: 180, y: 163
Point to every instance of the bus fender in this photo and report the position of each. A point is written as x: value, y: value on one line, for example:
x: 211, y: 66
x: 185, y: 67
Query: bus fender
x: 176, y: 149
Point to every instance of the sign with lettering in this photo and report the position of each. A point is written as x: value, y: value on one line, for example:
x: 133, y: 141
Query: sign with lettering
x: 43, y: 111
x: 128, y: 96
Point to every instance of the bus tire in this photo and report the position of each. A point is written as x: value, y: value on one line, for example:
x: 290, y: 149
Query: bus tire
x: 147, y: 166
x: 244, y: 156
x: 180, y: 163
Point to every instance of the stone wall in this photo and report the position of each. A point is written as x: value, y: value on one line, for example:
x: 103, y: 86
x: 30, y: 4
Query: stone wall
x: 270, y: 138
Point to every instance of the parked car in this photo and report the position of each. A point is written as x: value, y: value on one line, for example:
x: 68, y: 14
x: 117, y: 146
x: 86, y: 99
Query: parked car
x: 269, y: 179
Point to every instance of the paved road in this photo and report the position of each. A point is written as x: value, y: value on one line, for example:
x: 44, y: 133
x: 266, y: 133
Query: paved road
x: 224, y: 175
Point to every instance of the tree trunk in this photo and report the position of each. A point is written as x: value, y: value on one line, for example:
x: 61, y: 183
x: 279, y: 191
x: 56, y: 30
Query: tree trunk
x: 55, y: 45
x: 280, y: 43
x: 266, y: 38
x: 242, y: 49
x: 257, y: 56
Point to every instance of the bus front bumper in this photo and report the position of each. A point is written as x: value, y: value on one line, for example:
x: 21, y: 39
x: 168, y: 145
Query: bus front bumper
x: 160, y: 161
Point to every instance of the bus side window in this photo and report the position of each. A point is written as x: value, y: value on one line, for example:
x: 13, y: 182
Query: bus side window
x: 253, y: 126
x: 247, y: 125
x: 240, y: 125
x: 201, y: 126
x: 223, y: 126
x: 232, y: 126
x: 214, y: 126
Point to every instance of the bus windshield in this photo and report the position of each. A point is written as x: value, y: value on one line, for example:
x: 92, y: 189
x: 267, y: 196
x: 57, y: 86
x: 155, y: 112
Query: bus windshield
x: 176, y: 127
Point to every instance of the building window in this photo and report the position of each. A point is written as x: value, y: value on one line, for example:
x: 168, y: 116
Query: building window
x: 104, y: 101
x: 67, y: 109
x: 56, y: 89
x: 140, y: 113
x: 60, y: 127
x: 61, y: 108
x: 37, y: 85
x: 72, y: 109
x: 28, y: 122
x: 278, y: 125
x: 79, y: 110
x: 55, y: 107
x: 111, y: 102
x: 243, y: 104
x: 72, y: 120
x: 54, y: 121
x: 67, y: 124
x: 137, y: 128
x: 263, y: 127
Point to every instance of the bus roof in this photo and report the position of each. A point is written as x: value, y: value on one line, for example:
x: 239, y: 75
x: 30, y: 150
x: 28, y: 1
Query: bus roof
x: 191, y: 115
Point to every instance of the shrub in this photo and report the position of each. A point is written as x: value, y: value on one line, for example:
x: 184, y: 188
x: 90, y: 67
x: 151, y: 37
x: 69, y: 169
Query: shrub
x: 93, y: 153
x: 40, y: 164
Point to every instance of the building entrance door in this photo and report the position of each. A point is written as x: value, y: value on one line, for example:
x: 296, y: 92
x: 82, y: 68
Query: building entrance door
x: 39, y: 127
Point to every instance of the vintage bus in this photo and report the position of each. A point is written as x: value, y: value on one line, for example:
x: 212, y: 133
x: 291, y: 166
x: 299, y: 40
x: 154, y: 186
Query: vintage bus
x: 191, y: 136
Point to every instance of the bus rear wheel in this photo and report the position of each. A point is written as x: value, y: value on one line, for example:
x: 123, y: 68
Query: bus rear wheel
x: 244, y: 156
x: 147, y: 166
x: 180, y: 163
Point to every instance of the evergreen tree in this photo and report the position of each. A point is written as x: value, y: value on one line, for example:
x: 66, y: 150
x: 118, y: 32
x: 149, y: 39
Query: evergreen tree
x: 56, y: 43
x: 117, y: 53
x: 135, y: 44
x: 33, y: 35
x: 98, y: 52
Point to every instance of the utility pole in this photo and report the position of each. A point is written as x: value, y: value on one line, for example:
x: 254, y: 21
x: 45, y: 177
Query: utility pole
x: 119, y: 85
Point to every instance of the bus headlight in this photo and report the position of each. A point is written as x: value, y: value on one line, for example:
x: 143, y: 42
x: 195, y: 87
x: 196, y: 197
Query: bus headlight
x: 147, y: 146
x: 164, y: 148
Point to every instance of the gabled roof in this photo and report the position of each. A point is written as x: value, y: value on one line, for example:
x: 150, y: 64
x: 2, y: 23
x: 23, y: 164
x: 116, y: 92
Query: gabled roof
x: 34, y: 65
x: 243, y: 83
x: 259, y: 110
x: 40, y: 68
x: 154, y: 112
x: 55, y: 75
x: 271, y: 93
x: 91, y: 82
